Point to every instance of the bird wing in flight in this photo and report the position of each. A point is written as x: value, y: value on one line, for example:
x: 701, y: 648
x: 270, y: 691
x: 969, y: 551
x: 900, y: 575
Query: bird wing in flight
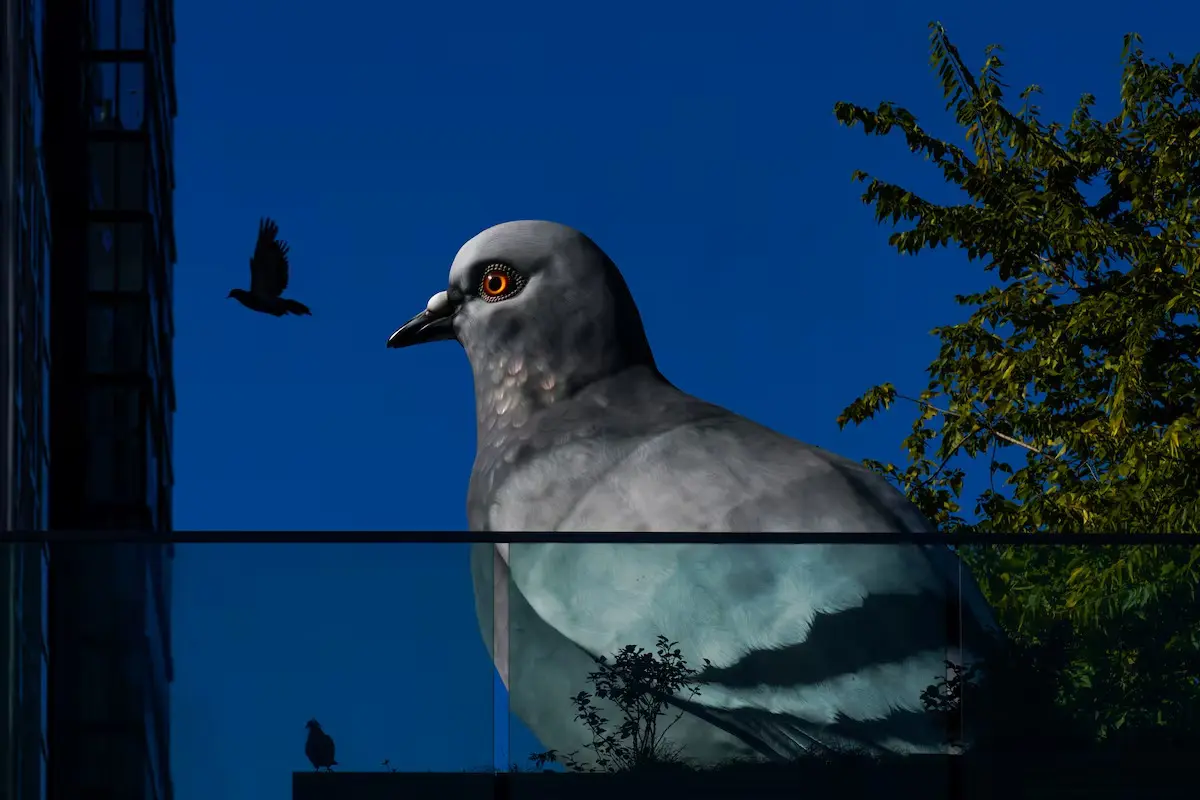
x: 269, y: 266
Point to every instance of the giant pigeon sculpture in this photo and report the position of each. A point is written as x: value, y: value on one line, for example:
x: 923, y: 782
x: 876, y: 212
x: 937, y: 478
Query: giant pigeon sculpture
x: 811, y: 646
x: 269, y: 272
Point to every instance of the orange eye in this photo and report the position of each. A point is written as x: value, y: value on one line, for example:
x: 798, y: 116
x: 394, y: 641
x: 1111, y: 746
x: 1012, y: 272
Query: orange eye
x: 495, y: 283
x: 500, y: 282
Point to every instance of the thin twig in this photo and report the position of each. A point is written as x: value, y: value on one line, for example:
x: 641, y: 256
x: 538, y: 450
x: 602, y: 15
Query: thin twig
x: 945, y: 460
x: 992, y: 431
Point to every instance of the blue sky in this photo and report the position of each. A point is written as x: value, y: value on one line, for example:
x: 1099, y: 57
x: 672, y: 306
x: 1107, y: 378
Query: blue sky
x: 694, y: 142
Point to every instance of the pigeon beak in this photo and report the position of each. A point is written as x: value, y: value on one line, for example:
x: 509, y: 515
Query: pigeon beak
x: 434, y: 324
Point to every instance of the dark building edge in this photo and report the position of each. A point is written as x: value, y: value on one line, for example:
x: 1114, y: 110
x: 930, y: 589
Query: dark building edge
x: 23, y: 411
x: 108, y: 626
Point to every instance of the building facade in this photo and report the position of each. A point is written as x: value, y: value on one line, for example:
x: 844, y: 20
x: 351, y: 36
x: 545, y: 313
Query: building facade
x: 24, y: 411
x: 108, y: 149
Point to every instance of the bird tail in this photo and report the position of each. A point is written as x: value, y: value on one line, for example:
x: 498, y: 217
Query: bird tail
x: 296, y: 307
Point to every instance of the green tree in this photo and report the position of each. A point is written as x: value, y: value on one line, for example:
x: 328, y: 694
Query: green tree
x: 1075, y: 382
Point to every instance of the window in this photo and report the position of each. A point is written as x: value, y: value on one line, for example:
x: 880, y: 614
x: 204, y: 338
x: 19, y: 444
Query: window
x: 132, y: 165
x: 114, y: 445
x: 104, y: 24
x: 126, y: 466
x: 133, y: 25
x: 44, y: 728
x: 38, y: 115
x: 154, y: 181
x: 39, y: 13
x: 96, y: 704
x: 45, y: 256
x: 99, y: 474
x: 45, y: 613
x: 131, y: 111
x: 129, y: 338
x: 102, y: 163
x: 130, y: 249
x: 102, y: 265
x: 101, y: 321
x: 151, y: 494
x: 102, y: 82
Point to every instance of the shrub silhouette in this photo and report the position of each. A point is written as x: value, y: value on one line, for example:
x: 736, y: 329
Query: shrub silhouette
x: 640, y: 683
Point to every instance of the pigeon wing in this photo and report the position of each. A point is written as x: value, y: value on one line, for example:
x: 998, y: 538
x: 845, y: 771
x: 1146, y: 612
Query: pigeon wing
x: 269, y: 266
x: 810, y: 645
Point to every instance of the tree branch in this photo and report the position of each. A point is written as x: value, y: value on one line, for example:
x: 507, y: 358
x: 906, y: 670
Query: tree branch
x: 991, y: 430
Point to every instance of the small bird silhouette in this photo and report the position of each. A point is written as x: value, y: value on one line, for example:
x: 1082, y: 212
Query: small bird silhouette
x: 319, y: 747
x: 269, y: 276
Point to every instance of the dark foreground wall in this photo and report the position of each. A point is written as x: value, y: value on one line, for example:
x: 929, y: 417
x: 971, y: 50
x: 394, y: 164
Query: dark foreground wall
x: 929, y: 778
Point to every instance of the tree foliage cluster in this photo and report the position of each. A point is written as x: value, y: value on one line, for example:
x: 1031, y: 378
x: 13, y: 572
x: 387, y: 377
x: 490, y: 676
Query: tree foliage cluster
x: 1074, y: 384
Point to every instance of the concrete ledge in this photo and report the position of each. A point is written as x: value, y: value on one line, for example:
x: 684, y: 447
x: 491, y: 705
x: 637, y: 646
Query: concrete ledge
x: 1027, y: 776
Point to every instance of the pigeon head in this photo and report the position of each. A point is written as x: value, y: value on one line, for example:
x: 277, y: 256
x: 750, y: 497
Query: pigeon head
x: 313, y: 725
x: 541, y: 311
x: 237, y: 293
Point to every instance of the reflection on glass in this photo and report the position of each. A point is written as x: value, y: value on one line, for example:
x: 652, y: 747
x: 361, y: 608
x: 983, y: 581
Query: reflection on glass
x: 397, y: 665
x: 103, y: 80
x: 873, y: 616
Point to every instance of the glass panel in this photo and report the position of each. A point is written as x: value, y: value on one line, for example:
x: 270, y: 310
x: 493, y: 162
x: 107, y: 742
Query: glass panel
x: 132, y: 166
x: 127, y: 455
x: 101, y: 258
x: 44, y: 728
x: 127, y: 471
x: 39, y: 14
x: 130, y: 332
x: 102, y: 163
x: 104, y: 24
x: 103, y: 84
x: 99, y: 474
x: 133, y: 25
x: 132, y: 111
x: 131, y: 275
x: 152, y: 503
x: 100, y: 325
x: 100, y: 411
x: 45, y: 256
x: 45, y: 614
x: 96, y: 705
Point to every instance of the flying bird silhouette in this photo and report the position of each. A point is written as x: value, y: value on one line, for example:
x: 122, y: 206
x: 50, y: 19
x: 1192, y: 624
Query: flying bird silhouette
x: 319, y: 747
x: 269, y: 276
